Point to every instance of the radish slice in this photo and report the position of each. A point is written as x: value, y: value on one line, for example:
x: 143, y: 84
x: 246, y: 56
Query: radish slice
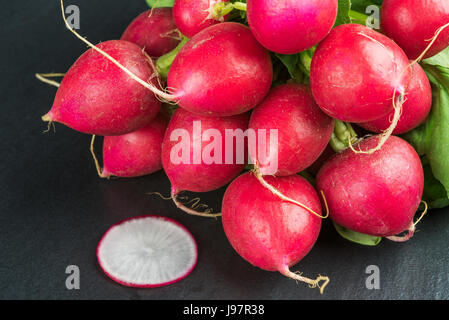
x: 147, y: 252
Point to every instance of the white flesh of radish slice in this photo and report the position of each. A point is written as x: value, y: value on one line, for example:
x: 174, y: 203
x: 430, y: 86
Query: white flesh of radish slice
x: 147, y: 252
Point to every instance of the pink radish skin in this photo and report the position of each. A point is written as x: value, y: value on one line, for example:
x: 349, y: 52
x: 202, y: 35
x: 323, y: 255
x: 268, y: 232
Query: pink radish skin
x: 415, y: 109
x: 96, y: 97
x: 355, y: 72
x: 376, y: 194
x: 137, y: 153
x: 200, y: 177
x: 303, y: 129
x: 155, y: 31
x: 222, y: 71
x: 192, y: 17
x: 134, y: 285
x: 265, y: 231
x: 291, y: 26
x: 413, y: 23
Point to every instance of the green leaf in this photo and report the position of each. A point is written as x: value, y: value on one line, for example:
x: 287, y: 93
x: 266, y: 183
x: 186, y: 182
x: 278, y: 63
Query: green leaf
x: 310, y: 178
x: 441, y: 59
x: 160, y: 3
x: 361, y: 5
x: 290, y: 61
x: 344, y: 6
x: 239, y: 12
x: 294, y: 66
x: 417, y: 138
x: 434, y: 193
x: 356, y: 237
x: 432, y: 138
x: 298, y: 65
x: 436, y: 132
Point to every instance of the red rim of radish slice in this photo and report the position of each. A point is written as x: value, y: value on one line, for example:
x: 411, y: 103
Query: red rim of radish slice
x: 182, y: 232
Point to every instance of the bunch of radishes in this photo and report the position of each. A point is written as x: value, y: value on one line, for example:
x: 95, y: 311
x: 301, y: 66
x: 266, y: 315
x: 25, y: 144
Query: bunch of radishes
x: 221, y: 74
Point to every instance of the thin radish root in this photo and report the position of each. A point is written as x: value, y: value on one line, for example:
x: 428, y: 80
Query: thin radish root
x: 159, y: 81
x: 412, y: 228
x: 312, y: 283
x: 432, y: 41
x: 283, y: 197
x: 43, y: 77
x: 410, y: 232
x: 383, y: 137
x: 152, y: 8
x: 156, y: 91
x: 195, y: 203
x: 50, y: 124
x: 193, y: 210
x: 398, y: 105
x: 173, y: 34
x: 160, y: 195
x: 94, y: 156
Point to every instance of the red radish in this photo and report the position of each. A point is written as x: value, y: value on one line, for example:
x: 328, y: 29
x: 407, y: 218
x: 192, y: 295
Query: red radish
x: 147, y: 252
x: 267, y: 232
x: 193, y: 16
x: 412, y: 24
x: 376, y: 194
x: 356, y: 72
x: 135, y: 154
x: 303, y: 129
x: 186, y: 144
x: 291, y: 26
x: 222, y: 71
x: 155, y: 31
x: 96, y: 97
x: 415, y: 109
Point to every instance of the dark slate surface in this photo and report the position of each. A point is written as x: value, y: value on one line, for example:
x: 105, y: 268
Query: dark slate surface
x: 54, y: 209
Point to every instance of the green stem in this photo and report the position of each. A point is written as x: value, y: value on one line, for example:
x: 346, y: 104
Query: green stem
x: 336, y: 144
x: 358, y: 17
x: 240, y: 6
x: 343, y: 133
x: 306, y: 61
x: 164, y: 63
x: 221, y: 9
x: 300, y: 75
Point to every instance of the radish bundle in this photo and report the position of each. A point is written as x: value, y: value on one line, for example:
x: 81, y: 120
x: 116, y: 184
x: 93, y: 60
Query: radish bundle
x: 255, y: 95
